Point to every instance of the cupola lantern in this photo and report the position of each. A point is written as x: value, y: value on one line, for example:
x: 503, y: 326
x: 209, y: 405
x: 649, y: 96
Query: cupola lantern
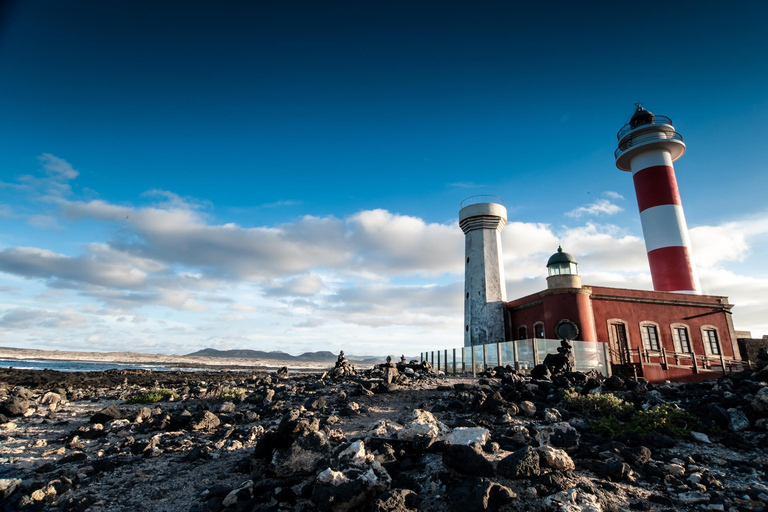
x: 562, y: 271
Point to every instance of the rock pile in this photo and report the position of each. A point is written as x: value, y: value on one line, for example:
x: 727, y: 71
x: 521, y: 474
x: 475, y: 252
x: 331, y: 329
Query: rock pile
x: 396, y: 437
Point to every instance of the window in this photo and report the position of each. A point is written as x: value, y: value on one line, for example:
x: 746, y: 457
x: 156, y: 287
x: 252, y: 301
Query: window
x: 681, y: 339
x: 538, y: 330
x: 710, y: 341
x: 522, y: 332
x: 650, y: 337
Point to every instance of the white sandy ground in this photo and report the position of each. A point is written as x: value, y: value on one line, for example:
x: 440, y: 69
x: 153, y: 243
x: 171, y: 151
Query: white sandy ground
x: 155, y: 359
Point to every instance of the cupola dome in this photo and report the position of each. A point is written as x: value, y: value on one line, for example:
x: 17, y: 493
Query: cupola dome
x: 561, y: 263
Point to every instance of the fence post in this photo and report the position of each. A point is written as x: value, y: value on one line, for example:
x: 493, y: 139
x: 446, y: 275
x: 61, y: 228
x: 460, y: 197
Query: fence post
x: 515, y: 359
x: 535, y: 345
x: 664, y: 358
x: 606, y: 356
x: 498, y: 354
x: 695, y: 366
x: 438, y: 361
x: 485, y: 357
x: 445, y: 360
x: 474, y: 370
x: 454, y: 362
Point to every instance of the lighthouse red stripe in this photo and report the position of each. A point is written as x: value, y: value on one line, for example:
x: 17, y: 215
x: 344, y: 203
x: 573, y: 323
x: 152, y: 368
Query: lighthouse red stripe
x: 656, y: 186
x: 671, y: 269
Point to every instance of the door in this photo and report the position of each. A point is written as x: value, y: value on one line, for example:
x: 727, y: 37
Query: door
x: 619, y: 344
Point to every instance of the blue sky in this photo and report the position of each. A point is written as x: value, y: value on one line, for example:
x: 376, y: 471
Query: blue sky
x: 287, y: 176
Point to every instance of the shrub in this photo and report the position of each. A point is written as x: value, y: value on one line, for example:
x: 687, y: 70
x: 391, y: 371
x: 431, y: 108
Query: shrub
x: 150, y: 397
x: 234, y: 394
x: 612, y: 416
x: 600, y: 405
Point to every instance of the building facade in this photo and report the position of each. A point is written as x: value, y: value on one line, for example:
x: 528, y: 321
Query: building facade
x: 656, y: 335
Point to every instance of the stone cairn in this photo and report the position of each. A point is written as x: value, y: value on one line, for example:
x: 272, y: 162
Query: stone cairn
x: 343, y: 367
x: 556, y: 364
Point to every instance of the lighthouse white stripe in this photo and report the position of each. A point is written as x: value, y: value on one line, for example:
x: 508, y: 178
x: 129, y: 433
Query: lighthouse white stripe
x: 664, y: 226
x: 650, y: 158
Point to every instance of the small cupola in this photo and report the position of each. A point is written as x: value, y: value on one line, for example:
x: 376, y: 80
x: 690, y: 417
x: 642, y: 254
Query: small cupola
x: 641, y: 117
x: 562, y: 271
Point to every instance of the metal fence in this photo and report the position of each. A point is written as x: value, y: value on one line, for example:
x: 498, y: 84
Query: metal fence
x: 522, y: 354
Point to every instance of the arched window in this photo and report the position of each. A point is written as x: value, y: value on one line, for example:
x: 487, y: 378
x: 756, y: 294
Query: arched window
x: 650, y: 332
x: 538, y: 330
x: 522, y: 333
x: 711, y: 338
x: 681, y: 338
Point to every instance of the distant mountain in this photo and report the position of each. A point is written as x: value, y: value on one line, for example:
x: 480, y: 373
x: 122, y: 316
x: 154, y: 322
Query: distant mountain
x: 323, y: 356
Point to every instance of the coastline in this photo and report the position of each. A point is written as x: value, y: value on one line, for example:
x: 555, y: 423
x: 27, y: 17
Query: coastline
x: 179, y: 361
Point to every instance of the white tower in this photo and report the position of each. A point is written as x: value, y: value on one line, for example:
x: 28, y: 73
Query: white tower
x: 648, y: 145
x: 481, y: 219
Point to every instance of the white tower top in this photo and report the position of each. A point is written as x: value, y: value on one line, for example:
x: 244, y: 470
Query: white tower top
x: 646, y: 131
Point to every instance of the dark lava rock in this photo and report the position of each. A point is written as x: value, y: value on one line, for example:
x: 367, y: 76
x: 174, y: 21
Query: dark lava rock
x: 541, y: 372
x: 524, y: 463
x: 204, y: 420
x: 74, y: 457
x: 467, y: 460
x: 479, y: 494
x: 15, y: 406
x: 109, y: 413
x: 397, y: 500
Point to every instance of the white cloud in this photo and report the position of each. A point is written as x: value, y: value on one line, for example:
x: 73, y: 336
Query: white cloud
x: 31, y: 318
x: 57, y: 168
x: 601, y: 207
x: 170, y: 275
x: 305, y: 285
x: 44, y: 222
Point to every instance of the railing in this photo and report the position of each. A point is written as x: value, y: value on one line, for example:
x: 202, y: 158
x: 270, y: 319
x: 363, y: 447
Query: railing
x: 698, y: 363
x: 482, y: 199
x: 646, y: 137
x: 656, y: 120
x: 523, y: 355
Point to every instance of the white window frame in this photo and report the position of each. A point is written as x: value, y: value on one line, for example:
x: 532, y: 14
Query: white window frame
x: 706, y: 343
x: 676, y: 339
x: 647, y: 340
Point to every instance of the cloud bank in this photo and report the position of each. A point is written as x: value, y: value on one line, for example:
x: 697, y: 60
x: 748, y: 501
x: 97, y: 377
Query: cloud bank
x: 167, y: 276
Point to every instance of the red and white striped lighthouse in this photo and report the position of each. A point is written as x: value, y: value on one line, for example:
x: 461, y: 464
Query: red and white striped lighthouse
x: 648, y: 145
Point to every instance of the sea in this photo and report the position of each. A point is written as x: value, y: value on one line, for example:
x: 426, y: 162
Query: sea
x: 87, y: 366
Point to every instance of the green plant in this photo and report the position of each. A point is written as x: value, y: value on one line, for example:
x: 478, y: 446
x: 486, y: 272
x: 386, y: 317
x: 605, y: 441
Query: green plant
x: 234, y: 394
x: 665, y: 419
x: 597, y: 406
x: 150, y: 397
x: 611, y: 416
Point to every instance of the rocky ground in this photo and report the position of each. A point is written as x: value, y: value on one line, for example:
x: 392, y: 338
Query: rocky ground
x: 393, y: 438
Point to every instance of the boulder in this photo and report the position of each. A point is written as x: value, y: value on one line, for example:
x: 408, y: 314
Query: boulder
x: 204, y: 420
x: 15, y: 406
x: 467, y: 459
x: 556, y: 458
x: 109, y: 413
x: 468, y: 435
x: 341, y: 491
x: 397, y: 500
x: 478, y: 495
x: 524, y: 463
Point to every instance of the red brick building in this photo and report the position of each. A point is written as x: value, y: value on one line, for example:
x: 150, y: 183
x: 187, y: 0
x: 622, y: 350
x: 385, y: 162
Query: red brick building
x: 656, y: 335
